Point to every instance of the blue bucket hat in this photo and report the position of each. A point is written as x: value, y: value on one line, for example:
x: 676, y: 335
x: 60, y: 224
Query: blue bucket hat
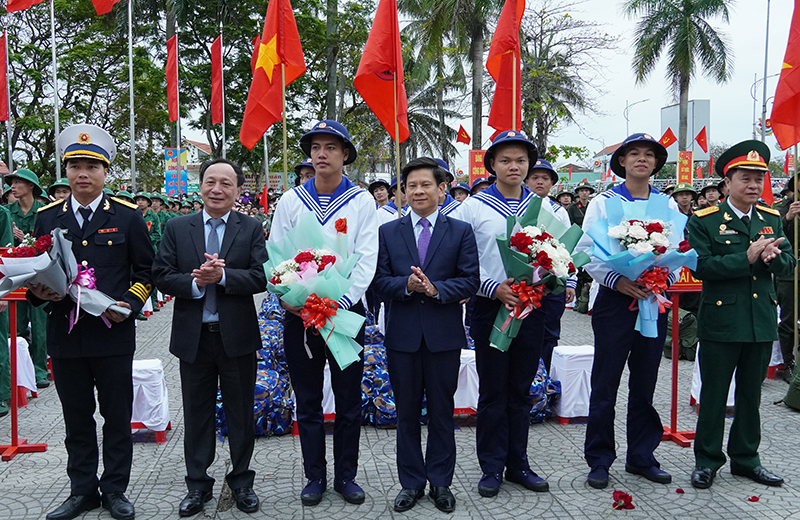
x: 541, y: 164
x: 329, y: 127
x: 510, y: 137
x: 478, y: 181
x: 460, y: 186
x: 658, y: 148
x: 446, y: 168
x: 301, y: 164
x: 377, y: 183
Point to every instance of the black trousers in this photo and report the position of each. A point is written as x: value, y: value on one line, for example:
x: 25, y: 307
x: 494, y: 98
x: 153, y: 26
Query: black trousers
x: 307, y: 381
x: 433, y: 375
x: 504, y: 394
x: 615, y: 343
x: 236, y: 379
x: 76, y: 380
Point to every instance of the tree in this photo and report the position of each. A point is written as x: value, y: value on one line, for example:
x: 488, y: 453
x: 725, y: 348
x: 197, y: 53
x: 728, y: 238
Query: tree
x: 682, y: 28
x: 559, y: 60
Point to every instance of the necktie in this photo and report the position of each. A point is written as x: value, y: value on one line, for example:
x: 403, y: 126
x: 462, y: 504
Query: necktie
x: 746, y: 221
x: 85, y: 213
x: 212, y: 246
x: 424, y: 240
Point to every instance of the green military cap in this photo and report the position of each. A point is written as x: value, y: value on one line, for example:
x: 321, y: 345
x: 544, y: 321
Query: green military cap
x: 124, y: 194
x: 565, y: 192
x: 789, y: 186
x: 586, y: 185
x: 142, y: 195
x: 684, y: 187
x: 60, y: 182
x: 108, y: 192
x: 26, y: 175
x: 669, y: 187
x: 186, y: 203
x: 613, y: 185
x: 157, y: 195
x: 747, y: 155
x: 198, y: 200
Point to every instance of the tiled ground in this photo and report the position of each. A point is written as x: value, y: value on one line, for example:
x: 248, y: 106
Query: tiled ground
x: 32, y: 484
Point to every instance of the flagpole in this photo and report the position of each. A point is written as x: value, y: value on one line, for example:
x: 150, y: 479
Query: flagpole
x: 130, y: 90
x: 266, y: 160
x: 55, y: 81
x: 397, y: 199
x: 513, y: 91
x: 285, y: 142
x: 178, y: 103
x: 222, y: 78
x: 8, y: 119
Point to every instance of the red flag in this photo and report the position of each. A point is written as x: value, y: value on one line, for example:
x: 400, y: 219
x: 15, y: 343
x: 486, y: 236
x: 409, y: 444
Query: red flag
x: 463, y: 136
x: 3, y: 80
x: 172, y: 77
x: 570, y: 172
x: 20, y: 5
x: 254, y: 58
x: 785, y: 158
x: 711, y: 166
x: 103, y: 6
x: 503, y: 64
x: 699, y: 172
x: 702, y: 140
x: 766, y: 193
x: 282, y: 54
x: 786, y: 107
x: 216, y: 81
x: 380, y: 68
x: 668, y: 139
x: 264, y: 200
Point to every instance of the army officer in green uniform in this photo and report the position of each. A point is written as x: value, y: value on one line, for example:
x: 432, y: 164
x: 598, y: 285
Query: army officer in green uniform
x: 740, y: 245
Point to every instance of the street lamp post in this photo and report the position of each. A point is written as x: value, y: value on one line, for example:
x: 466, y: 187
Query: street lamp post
x: 625, y: 114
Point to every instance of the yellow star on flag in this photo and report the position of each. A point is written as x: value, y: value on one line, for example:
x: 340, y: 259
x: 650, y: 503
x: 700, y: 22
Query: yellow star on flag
x: 786, y: 66
x: 268, y: 57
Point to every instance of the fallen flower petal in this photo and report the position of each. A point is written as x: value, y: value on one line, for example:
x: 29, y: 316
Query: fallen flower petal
x: 679, y: 491
x: 753, y: 499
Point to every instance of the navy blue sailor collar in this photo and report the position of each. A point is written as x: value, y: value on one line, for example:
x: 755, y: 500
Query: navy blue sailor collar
x: 492, y: 197
x: 623, y: 190
x: 341, y: 196
x: 448, y: 205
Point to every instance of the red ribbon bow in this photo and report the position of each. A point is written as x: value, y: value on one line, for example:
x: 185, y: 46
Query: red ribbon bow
x: 317, y: 311
x: 531, y: 297
x: 655, y: 279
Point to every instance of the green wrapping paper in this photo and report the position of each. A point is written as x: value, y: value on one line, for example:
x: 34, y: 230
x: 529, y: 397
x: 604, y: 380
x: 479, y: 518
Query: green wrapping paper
x: 517, y: 267
x: 332, y: 283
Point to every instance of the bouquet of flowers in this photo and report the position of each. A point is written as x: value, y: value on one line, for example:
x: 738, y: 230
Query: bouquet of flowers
x: 641, y: 240
x: 30, y: 262
x: 537, y: 253
x: 310, y: 269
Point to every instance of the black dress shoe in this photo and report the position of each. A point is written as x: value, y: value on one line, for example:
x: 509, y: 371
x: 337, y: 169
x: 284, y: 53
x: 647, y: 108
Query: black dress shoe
x: 703, y: 477
x: 759, y: 474
x: 246, y: 499
x: 193, y: 503
x: 443, y: 498
x: 74, y: 506
x: 653, y: 473
x: 118, y: 505
x: 598, y: 477
x: 407, y: 498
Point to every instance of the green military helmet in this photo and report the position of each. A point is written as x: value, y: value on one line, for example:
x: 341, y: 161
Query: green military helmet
x: 668, y: 188
x: 143, y: 195
x: 682, y: 187
x: 62, y: 182
x: 26, y: 175
x: 186, y: 203
x: 612, y: 185
x: 108, y: 192
x: 585, y: 185
x: 199, y: 200
x: 124, y: 194
x: 710, y: 185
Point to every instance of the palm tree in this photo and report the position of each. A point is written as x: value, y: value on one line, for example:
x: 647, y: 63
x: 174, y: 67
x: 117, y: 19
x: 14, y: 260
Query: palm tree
x: 682, y: 28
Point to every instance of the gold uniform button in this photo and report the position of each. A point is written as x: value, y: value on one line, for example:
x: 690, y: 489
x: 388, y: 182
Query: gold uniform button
x: 755, y: 278
x: 727, y: 242
x: 755, y: 295
x: 719, y: 302
x: 110, y: 242
x: 84, y: 263
x: 85, y: 243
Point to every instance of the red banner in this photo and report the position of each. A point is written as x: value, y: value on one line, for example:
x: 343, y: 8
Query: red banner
x: 685, y: 163
x: 476, y: 167
x: 216, y: 81
x: 3, y: 80
x: 172, y: 78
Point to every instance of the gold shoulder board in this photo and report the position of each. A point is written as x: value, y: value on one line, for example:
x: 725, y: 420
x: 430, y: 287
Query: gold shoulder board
x: 51, y: 205
x: 768, y: 210
x: 124, y: 203
x: 707, y: 211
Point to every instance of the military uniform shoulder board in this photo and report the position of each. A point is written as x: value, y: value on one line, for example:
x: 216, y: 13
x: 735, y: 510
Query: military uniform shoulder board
x: 124, y: 203
x: 706, y: 211
x: 768, y: 210
x: 51, y: 205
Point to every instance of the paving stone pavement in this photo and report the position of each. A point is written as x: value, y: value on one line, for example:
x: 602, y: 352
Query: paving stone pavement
x: 35, y: 483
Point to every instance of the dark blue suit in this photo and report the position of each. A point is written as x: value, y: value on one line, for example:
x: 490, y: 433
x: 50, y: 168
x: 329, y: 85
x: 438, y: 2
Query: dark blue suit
x: 424, y: 338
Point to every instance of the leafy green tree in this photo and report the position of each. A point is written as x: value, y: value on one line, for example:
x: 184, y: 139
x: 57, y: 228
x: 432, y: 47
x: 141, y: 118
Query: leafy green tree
x: 682, y: 29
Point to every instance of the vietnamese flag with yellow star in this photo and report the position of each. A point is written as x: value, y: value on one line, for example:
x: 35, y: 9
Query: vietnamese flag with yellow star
x: 279, y: 47
x: 786, y: 107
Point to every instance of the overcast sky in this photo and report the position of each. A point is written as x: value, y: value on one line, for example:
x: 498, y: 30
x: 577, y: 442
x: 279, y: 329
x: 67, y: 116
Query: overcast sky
x: 731, y: 103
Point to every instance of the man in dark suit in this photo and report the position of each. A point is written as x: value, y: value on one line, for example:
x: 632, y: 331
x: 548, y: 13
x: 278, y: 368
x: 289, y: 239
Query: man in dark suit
x: 108, y: 236
x: 427, y: 264
x: 212, y: 262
